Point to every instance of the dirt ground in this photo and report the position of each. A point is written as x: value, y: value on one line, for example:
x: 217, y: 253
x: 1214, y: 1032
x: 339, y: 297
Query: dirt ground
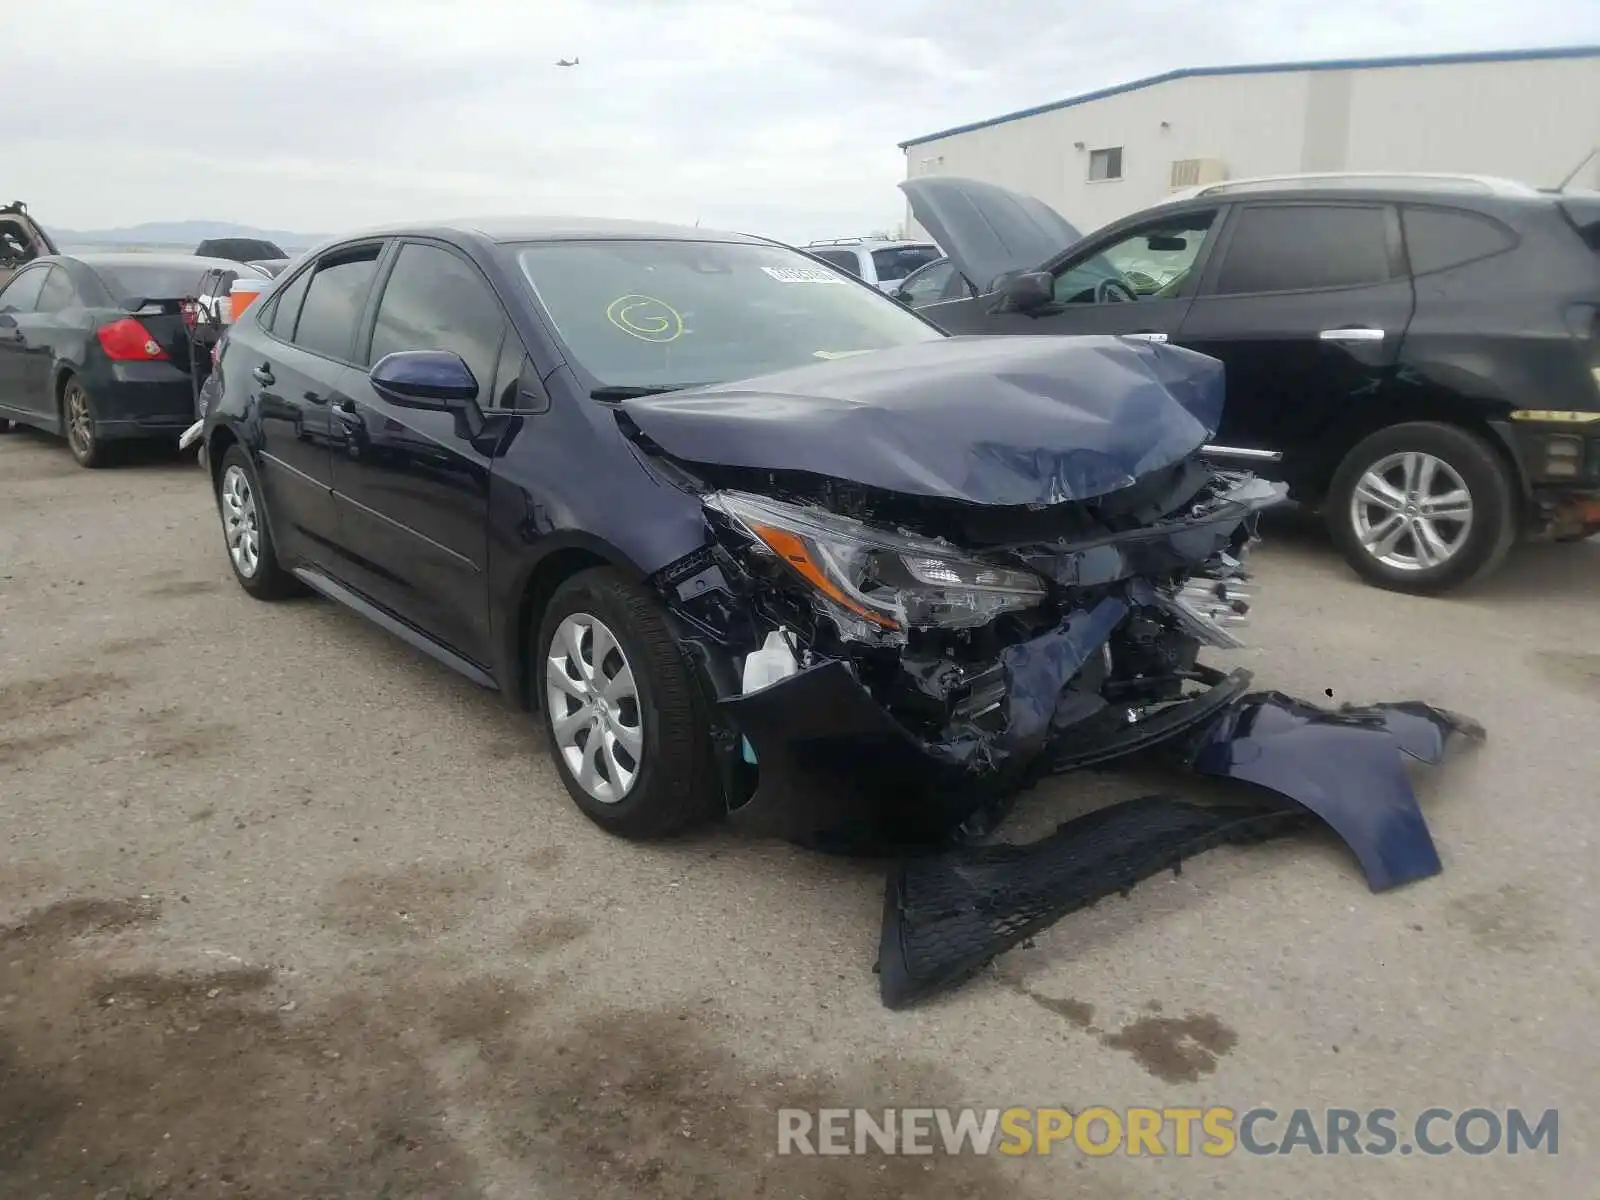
x: 287, y: 910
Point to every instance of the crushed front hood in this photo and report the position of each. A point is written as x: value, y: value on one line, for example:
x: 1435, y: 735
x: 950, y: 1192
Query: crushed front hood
x: 985, y: 420
x: 988, y: 230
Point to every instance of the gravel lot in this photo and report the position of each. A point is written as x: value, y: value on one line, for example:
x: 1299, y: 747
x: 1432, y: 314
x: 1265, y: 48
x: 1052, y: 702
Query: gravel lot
x: 291, y: 911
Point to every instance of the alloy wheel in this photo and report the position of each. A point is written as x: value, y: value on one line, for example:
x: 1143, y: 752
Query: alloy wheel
x: 1411, y: 511
x: 592, y: 704
x: 80, y: 426
x: 240, y: 522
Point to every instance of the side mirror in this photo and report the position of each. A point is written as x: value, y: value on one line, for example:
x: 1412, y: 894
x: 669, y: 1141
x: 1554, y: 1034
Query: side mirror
x: 432, y: 379
x: 1028, y: 290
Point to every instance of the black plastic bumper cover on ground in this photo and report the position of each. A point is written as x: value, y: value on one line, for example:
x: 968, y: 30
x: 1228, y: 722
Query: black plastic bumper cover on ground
x: 946, y: 916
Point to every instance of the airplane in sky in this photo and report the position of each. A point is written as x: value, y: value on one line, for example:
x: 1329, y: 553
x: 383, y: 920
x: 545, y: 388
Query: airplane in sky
x: 567, y: 62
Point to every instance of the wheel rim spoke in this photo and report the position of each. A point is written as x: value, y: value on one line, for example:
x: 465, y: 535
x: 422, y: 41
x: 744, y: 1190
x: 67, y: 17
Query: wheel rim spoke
x: 592, y: 705
x: 1449, y: 505
x: 630, y: 738
x: 1375, y: 489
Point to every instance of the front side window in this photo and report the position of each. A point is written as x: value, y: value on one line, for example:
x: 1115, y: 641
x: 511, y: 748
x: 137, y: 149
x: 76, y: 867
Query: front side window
x: 333, y: 302
x: 929, y: 285
x: 435, y: 300
x: 668, y: 314
x: 1299, y: 247
x: 1152, y: 263
x: 58, y: 293
x: 21, y: 295
x: 1105, y: 164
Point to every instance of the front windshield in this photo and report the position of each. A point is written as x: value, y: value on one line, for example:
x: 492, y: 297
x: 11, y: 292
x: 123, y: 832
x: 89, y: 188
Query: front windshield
x: 665, y: 314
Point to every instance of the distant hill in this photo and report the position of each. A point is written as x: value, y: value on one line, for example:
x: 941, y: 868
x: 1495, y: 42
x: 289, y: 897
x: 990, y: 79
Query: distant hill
x: 184, y: 234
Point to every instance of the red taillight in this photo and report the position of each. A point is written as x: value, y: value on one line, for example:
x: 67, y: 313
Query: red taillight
x: 129, y: 341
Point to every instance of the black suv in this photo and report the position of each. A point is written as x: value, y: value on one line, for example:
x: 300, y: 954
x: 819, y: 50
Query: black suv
x: 1417, y: 356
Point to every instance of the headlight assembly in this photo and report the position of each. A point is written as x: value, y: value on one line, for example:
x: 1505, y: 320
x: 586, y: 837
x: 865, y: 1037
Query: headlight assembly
x: 890, y: 581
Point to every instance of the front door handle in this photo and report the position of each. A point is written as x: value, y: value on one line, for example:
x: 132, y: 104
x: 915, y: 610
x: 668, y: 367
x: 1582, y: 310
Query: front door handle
x: 1352, y: 333
x: 264, y: 376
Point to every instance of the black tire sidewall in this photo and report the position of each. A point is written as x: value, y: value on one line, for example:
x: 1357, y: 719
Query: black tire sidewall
x: 1487, y: 478
x: 657, y: 804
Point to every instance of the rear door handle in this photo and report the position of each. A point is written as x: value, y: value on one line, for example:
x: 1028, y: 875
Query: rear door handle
x: 264, y: 376
x: 1352, y: 333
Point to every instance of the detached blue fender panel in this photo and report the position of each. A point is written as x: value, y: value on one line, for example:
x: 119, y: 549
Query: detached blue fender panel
x: 1346, y: 766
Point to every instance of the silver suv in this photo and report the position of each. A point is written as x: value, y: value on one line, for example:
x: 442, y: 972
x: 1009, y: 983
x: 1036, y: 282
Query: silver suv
x: 884, y: 264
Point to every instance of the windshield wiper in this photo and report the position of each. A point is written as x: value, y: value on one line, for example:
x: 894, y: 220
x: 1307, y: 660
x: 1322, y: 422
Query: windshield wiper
x: 633, y: 393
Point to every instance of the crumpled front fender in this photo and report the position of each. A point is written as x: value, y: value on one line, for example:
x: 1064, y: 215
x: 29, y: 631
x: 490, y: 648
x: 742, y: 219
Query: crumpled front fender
x: 1346, y: 766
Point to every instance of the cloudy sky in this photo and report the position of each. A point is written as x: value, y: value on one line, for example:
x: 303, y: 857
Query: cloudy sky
x: 775, y: 116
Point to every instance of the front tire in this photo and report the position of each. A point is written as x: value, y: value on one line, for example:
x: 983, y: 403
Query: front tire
x: 246, y: 531
x: 78, y: 421
x: 1422, y: 507
x: 625, y: 723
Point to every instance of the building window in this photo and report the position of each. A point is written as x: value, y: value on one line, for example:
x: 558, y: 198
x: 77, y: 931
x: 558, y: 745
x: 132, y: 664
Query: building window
x: 1105, y: 164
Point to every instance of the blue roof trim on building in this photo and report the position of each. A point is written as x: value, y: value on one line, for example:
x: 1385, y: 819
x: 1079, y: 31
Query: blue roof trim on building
x: 1332, y: 64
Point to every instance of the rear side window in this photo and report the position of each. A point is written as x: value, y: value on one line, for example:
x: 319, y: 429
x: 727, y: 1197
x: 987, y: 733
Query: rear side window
x: 57, y: 293
x: 1298, y: 247
x: 436, y: 301
x: 898, y: 263
x: 333, y: 302
x: 1437, y: 238
x: 845, y: 260
x: 286, y: 308
x: 21, y: 295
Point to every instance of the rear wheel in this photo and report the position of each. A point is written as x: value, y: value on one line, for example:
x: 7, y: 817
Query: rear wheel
x: 245, y: 530
x: 625, y: 723
x: 77, y: 418
x: 1422, y: 507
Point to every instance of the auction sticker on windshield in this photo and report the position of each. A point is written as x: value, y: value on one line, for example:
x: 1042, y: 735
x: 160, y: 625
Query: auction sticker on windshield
x: 803, y: 275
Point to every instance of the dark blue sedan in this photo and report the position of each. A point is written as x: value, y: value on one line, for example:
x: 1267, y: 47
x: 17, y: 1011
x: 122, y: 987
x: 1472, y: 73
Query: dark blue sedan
x: 753, y: 537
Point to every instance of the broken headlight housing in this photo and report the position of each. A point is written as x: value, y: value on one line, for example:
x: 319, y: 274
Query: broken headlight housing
x: 885, y: 581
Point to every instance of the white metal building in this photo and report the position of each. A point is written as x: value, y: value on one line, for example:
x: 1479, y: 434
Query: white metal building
x: 1529, y: 115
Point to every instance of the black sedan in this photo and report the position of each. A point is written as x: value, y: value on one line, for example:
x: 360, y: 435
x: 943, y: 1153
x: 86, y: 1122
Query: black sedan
x: 95, y: 347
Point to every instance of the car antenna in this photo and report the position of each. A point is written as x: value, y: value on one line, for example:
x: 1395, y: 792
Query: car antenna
x: 1573, y: 174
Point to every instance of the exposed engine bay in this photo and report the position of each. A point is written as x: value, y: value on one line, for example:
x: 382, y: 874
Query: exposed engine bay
x: 889, y: 668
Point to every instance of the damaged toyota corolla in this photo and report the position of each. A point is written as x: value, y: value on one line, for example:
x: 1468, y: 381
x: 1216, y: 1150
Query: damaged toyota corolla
x: 760, y: 542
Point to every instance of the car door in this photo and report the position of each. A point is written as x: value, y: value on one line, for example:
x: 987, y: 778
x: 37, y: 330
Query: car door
x: 1306, y: 303
x: 20, y: 361
x: 296, y: 373
x: 412, y: 486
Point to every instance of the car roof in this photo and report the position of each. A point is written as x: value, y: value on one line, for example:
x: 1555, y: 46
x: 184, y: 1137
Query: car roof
x: 1421, y: 189
x: 135, y: 259
x: 552, y: 229
x: 868, y: 243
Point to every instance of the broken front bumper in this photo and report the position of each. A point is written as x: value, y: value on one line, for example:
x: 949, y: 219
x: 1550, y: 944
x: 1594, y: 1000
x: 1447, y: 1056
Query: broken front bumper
x: 839, y: 773
x: 947, y: 915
